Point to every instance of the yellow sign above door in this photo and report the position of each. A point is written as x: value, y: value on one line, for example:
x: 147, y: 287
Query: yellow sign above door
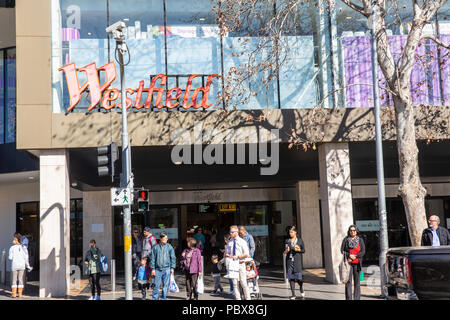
x: 227, y: 207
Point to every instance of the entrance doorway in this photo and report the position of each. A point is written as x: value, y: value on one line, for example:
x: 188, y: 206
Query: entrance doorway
x: 27, y: 224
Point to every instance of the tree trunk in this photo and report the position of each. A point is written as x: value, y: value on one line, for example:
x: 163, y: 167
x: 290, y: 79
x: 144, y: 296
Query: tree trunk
x: 411, y: 189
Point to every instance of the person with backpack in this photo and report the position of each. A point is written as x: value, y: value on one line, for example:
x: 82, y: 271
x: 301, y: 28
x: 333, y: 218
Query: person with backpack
x: 19, y: 256
x: 162, y: 265
x: 249, y: 239
x: 94, y: 268
x: 148, y: 242
x: 142, y: 275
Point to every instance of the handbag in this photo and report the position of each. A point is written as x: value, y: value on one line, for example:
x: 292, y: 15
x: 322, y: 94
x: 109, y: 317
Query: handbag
x: 344, y: 270
x: 173, y: 287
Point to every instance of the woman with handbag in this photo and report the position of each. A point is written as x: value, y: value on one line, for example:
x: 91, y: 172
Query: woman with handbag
x: 353, y: 248
x: 191, y: 259
x: 294, y: 248
x: 92, y: 261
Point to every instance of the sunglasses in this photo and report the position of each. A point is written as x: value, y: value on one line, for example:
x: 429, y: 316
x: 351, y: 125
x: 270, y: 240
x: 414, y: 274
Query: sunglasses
x: 352, y: 230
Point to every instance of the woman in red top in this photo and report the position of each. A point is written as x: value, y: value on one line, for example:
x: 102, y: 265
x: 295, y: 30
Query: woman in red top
x: 353, y: 248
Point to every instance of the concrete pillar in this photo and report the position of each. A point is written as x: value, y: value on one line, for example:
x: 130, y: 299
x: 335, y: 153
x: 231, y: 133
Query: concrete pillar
x: 308, y: 215
x: 98, y: 222
x: 336, y: 203
x: 54, y: 223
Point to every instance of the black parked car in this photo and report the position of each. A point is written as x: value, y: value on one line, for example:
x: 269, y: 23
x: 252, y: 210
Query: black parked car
x: 418, y: 273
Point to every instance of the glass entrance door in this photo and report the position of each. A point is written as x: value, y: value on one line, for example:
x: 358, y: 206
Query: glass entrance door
x: 27, y: 224
x: 255, y: 219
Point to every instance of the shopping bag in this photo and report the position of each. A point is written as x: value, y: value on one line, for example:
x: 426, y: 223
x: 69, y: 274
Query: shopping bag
x: 344, y: 270
x: 173, y: 287
x: 200, y: 286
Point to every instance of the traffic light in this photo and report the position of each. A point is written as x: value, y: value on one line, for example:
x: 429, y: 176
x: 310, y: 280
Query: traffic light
x: 108, y: 161
x: 143, y: 200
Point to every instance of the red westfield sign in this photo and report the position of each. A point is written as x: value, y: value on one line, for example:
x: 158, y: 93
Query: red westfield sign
x: 101, y: 93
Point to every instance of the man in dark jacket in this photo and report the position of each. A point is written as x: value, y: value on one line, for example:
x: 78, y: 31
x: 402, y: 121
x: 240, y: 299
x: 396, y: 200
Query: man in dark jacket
x: 435, y: 235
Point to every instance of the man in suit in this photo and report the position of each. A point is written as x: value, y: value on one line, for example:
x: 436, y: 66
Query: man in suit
x: 435, y: 235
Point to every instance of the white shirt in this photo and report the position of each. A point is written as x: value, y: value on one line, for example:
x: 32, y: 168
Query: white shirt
x: 19, y: 257
x: 241, y: 247
x: 436, y: 242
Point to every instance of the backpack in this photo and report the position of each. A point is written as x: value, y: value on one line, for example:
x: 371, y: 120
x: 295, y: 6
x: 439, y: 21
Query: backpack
x: 150, y: 240
x: 103, y: 263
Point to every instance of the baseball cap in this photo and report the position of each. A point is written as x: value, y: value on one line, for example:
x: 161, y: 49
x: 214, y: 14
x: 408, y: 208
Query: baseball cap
x: 147, y: 229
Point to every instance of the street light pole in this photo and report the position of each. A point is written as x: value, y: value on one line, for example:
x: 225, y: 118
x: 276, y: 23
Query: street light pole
x: 126, y: 180
x: 384, y: 245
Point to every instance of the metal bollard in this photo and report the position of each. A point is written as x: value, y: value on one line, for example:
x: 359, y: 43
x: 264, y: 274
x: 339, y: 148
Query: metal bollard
x: 113, y: 275
x: 3, y: 267
x: 284, y: 269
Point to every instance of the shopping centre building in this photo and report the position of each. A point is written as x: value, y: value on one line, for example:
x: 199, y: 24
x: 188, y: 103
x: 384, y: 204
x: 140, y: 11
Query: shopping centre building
x: 52, y: 123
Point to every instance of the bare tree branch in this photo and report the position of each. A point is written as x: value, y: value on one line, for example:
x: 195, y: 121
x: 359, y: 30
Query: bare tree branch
x: 356, y: 7
x: 440, y: 43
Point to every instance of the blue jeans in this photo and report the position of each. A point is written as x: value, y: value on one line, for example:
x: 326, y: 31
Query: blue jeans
x: 164, y: 276
x: 230, y: 281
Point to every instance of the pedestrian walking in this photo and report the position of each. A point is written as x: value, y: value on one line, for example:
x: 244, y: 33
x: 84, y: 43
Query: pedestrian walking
x: 24, y: 243
x: 191, y: 260
x: 353, y: 249
x: 226, y: 238
x: 19, y: 262
x: 249, y: 239
x: 294, y: 249
x: 136, y: 249
x: 200, y: 237
x: 236, y: 251
x: 213, y: 242
x: 216, y: 269
x: 162, y: 265
x: 148, y: 243
x: 143, y: 277
x: 435, y: 235
x: 92, y: 261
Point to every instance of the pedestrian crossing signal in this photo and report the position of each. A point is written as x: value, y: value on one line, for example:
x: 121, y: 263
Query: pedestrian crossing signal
x: 143, y: 200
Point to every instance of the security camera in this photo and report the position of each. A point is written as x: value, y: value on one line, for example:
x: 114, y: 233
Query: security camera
x: 118, y: 26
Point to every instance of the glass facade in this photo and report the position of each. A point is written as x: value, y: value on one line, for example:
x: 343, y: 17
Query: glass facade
x: 76, y: 232
x: 7, y: 95
x: 265, y: 221
x: 430, y: 84
x: 179, y: 38
x: 7, y: 3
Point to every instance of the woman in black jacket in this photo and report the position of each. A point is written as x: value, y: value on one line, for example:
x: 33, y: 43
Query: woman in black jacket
x: 92, y: 261
x: 294, y: 248
x: 353, y: 249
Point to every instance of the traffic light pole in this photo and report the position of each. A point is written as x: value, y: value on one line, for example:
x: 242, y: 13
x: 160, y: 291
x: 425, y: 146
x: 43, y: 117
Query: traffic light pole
x: 126, y: 178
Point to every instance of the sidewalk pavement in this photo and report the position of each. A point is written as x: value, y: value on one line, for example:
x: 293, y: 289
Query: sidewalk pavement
x: 270, y: 282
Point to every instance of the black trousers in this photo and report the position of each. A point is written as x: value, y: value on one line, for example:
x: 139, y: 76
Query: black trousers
x: 292, y: 285
x: 94, y: 281
x: 143, y: 287
x: 355, y: 274
x: 191, y: 284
